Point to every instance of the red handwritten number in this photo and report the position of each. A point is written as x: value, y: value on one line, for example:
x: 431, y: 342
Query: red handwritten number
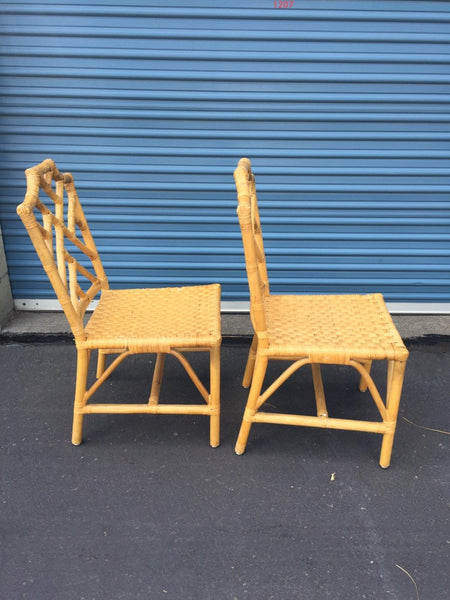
x: 283, y: 3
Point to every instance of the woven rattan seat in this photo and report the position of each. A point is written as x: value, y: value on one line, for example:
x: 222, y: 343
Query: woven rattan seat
x: 155, y: 320
x: 349, y: 330
x: 162, y: 321
x: 331, y: 328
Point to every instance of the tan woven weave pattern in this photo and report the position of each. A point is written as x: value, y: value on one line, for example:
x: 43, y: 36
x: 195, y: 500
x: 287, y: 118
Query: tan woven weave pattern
x: 156, y: 320
x: 332, y: 328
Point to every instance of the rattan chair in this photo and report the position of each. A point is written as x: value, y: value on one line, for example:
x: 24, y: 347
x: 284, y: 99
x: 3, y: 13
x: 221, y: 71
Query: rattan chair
x: 125, y: 322
x: 349, y: 330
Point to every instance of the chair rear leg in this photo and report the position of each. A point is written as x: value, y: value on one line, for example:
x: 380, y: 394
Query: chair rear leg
x: 101, y: 361
x: 80, y: 393
x: 362, y: 382
x: 255, y: 391
x: 396, y: 372
x: 248, y: 374
x: 319, y: 391
x: 157, y: 379
x: 214, y: 423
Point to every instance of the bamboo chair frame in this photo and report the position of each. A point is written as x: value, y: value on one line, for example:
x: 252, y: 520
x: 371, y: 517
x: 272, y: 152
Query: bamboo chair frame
x: 348, y: 330
x: 161, y: 321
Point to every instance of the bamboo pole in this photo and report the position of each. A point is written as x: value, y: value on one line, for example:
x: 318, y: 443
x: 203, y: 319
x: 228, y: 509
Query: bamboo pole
x: 319, y: 391
x: 157, y: 379
x: 281, y: 379
x: 249, y: 367
x: 145, y: 408
x: 397, y: 373
x: 362, y: 382
x: 80, y: 393
x: 250, y: 410
x: 325, y: 422
x: 214, y: 399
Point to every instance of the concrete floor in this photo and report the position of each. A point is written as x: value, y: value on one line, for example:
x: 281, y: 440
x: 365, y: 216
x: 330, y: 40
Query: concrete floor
x: 145, y: 509
x: 32, y: 325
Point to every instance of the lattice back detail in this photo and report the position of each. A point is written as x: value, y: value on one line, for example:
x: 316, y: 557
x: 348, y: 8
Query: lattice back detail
x: 76, y: 275
x: 255, y: 258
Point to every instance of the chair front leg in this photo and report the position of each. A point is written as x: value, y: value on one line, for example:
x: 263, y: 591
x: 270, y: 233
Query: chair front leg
x: 80, y: 393
x: 250, y: 410
x: 214, y: 423
x: 248, y: 373
x: 396, y: 372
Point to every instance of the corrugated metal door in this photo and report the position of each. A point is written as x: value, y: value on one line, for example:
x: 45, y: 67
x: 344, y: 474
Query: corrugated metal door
x: 341, y: 105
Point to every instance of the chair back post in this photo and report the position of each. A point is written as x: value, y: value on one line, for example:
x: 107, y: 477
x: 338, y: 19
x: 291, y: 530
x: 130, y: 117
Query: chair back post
x: 51, y: 250
x: 80, y: 220
x: 255, y: 262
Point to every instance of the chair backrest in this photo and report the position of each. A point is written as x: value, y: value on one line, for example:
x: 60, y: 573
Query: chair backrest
x: 55, y: 232
x: 255, y: 258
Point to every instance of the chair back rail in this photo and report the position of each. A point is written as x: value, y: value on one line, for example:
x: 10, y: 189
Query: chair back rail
x: 252, y: 239
x: 52, y: 226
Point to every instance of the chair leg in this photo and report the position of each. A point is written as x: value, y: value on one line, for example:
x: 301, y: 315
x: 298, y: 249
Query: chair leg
x: 319, y: 391
x: 362, y: 382
x: 101, y: 360
x: 396, y: 372
x: 214, y: 423
x: 390, y: 370
x: 248, y: 374
x: 157, y: 379
x: 80, y: 392
x: 255, y: 391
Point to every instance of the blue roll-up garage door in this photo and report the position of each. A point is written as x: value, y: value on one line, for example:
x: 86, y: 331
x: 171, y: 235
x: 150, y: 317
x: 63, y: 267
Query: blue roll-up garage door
x: 343, y: 107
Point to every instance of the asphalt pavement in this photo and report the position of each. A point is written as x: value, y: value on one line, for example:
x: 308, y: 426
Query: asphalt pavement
x: 146, y: 509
